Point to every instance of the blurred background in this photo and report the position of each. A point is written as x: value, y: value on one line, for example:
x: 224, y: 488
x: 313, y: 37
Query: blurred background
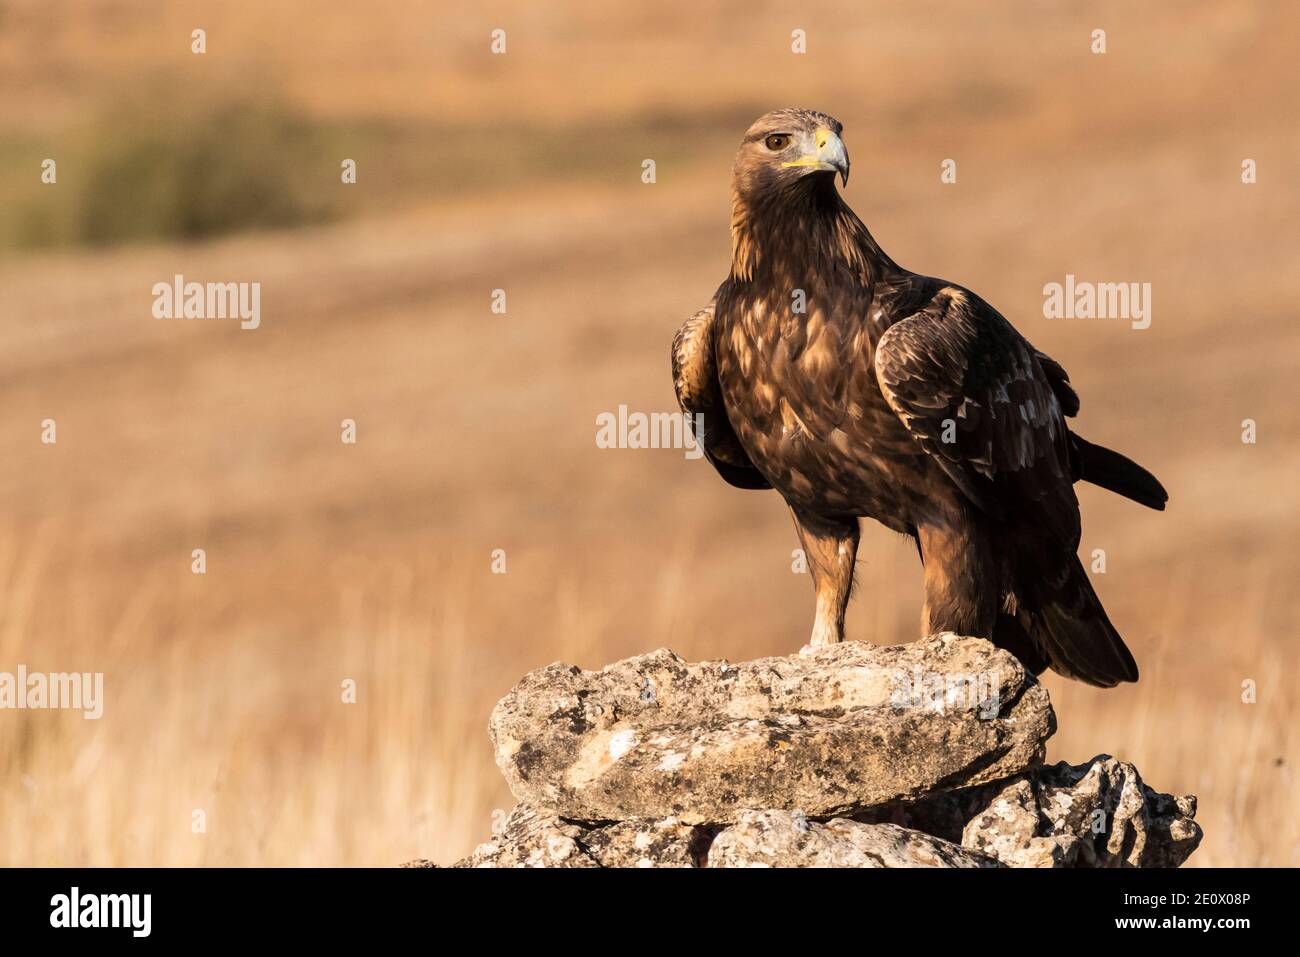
x: 475, y: 431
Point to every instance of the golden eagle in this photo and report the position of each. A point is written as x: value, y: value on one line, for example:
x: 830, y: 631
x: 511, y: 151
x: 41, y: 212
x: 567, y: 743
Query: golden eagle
x: 854, y: 387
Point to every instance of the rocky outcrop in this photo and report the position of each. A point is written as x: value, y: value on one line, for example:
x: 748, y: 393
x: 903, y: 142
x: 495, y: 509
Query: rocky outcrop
x: 920, y: 755
x: 1098, y: 814
x: 534, y: 839
x: 756, y: 839
x: 842, y: 729
x: 789, y: 839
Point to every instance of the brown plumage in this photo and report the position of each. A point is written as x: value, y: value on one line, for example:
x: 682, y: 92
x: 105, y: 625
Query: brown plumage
x: 856, y: 388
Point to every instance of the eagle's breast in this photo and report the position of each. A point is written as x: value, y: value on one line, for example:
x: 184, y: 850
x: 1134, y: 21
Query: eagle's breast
x: 795, y: 368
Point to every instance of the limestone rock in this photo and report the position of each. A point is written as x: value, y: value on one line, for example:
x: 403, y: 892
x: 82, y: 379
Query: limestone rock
x: 788, y: 839
x: 846, y: 728
x: 535, y: 839
x: 1098, y: 814
x: 1008, y: 829
x: 921, y: 755
x: 666, y: 843
x: 758, y: 839
x: 530, y: 839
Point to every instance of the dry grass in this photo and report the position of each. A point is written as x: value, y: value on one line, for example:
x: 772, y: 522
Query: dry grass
x: 371, y: 562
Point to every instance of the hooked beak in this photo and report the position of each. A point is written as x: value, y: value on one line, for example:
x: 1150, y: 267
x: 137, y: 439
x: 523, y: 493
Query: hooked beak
x: 829, y: 155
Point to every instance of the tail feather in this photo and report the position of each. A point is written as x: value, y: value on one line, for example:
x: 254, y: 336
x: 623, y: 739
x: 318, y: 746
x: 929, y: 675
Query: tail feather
x: 1011, y: 634
x: 1065, y: 620
x: 1120, y: 474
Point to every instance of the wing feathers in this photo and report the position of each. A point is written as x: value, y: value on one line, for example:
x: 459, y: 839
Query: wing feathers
x: 695, y: 381
x: 975, y: 395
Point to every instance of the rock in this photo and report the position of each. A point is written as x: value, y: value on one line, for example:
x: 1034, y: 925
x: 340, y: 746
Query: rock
x: 788, y: 839
x: 535, y: 839
x: 1098, y: 814
x: 530, y: 839
x: 844, y: 729
x: 758, y: 839
x: 1008, y: 829
x: 922, y: 755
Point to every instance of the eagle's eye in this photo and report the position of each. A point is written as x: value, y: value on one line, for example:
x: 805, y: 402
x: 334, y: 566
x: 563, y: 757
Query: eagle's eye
x: 777, y: 141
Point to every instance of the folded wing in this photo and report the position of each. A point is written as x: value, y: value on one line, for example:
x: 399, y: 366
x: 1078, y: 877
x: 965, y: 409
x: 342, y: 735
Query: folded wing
x: 696, y: 383
x: 975, y: 395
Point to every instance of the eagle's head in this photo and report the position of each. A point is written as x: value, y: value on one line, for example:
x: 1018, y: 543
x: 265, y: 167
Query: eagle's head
x: 786, y: 216
x: 787, y: 147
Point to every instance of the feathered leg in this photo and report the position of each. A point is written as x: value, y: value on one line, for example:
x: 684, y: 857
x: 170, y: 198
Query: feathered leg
x: 831, y: 548
x: 961, y: 591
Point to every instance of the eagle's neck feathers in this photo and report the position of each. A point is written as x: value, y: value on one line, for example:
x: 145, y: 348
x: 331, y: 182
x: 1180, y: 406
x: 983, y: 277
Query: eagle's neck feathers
x: 803, y: 230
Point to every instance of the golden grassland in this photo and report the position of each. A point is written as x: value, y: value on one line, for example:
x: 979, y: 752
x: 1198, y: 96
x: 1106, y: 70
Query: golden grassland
x: 476, y: 432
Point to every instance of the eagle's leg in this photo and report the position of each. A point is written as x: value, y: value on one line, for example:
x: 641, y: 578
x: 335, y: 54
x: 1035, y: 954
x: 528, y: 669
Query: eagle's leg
x: 961, y: 592
x: 830, y: 547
